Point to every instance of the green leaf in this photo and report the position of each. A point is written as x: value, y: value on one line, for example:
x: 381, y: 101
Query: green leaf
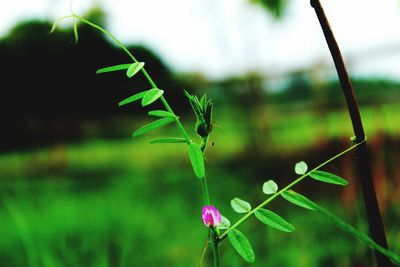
x: 300, y: 168
x: 240, y: 205
x: 270, y: 187
x: 54, y: 27
x: 168, y: 141
x: 224, y: 224
x: 113, y: 68
x: 197, y: 160
x: 327, y: 177
x: 360, y: 235
x: 134, y: 68
x: 298, y: 199
x: 241, y: 244
x: 307, y: 203
x: 151, y: 96
x: 153, y: 125
x: 274, y: 220
x: 162, y: 113
x: 132, y: 98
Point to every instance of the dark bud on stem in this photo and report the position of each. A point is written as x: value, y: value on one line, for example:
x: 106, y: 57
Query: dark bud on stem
x: 203, y: 110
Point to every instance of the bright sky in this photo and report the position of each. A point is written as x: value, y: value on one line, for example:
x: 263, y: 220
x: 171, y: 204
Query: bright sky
x: 227, y: 37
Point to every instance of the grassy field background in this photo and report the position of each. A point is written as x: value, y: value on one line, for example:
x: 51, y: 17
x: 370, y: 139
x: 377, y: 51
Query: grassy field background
x: 124, y: 202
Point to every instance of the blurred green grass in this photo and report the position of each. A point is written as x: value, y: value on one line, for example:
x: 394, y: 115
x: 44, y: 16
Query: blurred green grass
x: 129, y: 203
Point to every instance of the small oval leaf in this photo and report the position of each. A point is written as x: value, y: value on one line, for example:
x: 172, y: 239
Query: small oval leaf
x: 240, y: 206
x: 162, y: 113
x: 241, y: 244
x: 168, y: 141
x: 153, y: 125
x: 224, y: 224
x: 132, y: 98
x: 134, y: 68
x: 298, y: 199
x: 270, y: 187
x: 113, y: 68
x: 327, y: 177
x: 273, y: 220
x: 151, y: 96
x: 300, y: 168
x: 197, y: 160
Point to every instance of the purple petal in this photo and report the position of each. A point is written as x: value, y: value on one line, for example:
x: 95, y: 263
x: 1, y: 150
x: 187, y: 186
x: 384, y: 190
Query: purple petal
x: 211, y: 216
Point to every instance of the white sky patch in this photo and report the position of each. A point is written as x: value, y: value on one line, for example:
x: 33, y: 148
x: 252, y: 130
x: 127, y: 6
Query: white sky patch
x: 231, y: 37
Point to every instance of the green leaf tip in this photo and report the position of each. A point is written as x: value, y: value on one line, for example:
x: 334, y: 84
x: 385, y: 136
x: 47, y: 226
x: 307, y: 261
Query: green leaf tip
x: 300, y: 168
x: 132, y: 98
x: 327, y: 177
x: 134, y: 68
x: 54, y: 27
x: 113, y: 68
x: 162, y: 113
x: 270, y: 187
x: 273, y: 220
x: 151, y: 96
x: 224, y: 224
x: 153, y: 125
x: 197, y: 159
x: 240, y: 206
x: 241, y: 244
x: 298, y: 200
x: 76, y: 30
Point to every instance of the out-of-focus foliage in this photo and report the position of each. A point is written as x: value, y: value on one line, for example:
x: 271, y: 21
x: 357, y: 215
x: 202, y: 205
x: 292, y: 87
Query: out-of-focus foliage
x: 50, y: 86
x: 275, y: 7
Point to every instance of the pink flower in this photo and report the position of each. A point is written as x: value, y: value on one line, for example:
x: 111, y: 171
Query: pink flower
x: 211, y: 216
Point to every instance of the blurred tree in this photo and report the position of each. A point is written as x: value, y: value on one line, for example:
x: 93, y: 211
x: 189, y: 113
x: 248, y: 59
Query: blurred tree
x: 50, y: 88
x: 275, y: 7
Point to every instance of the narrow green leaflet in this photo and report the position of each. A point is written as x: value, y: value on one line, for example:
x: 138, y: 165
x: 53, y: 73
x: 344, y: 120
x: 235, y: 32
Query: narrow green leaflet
x: 300, y: 168
x: 153, y: 125
x: 132, y: 98
x: 240, y: 206
x: 113, y: 68
x: 197, y: 160
x: 270, y: 187
x: 241, y: 244
x: 298, y: 199
x: 162, y: 113
x: 327, y: 177
x: 151, y: 96
x: 168, y: 141
x: 360, y: 235
x: 273, y: 220
x: 224, y: 224
x: 134, y: 68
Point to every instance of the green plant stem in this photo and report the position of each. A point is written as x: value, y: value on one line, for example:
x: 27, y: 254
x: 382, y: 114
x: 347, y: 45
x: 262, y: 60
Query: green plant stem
x: 149, y: 79
x: 204, y: 186
x: 204, y: 189
x: 268, y: 200
x: 162, y: 98
x: 215, y: 246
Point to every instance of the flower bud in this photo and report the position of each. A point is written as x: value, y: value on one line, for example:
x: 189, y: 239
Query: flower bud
x: 211, y: 216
